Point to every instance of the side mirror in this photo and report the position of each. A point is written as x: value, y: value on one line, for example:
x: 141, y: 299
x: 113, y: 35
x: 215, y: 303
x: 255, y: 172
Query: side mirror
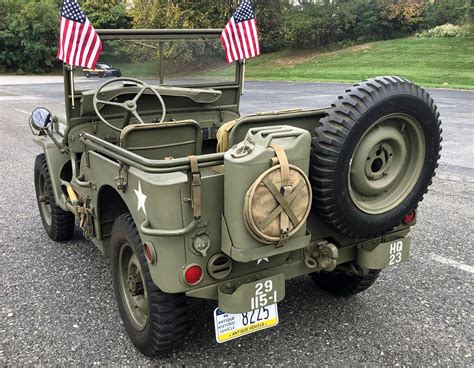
x: 41, y: 119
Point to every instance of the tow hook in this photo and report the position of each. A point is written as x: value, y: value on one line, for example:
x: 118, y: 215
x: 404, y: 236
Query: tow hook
x: 321, y: 256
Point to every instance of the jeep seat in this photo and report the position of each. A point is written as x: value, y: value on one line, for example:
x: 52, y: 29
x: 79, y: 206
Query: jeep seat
x: 161, y: 141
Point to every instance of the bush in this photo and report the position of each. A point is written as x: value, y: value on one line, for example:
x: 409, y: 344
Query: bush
x: 446, y: 30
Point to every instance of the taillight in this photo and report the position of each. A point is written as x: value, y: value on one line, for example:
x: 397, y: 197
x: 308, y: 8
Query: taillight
x: 193, y: 275
x: 409, y: 218
x: 150, y: 253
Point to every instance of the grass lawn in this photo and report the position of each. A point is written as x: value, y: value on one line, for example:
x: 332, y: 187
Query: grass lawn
x: 433, y: 62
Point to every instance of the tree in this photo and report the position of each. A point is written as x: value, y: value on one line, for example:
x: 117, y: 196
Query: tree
x: 408, y: 13
x: 211, y: 14
x: 29, y: 34
x: 440, y: 12
x: 29, y: 30
x: 107, y: 14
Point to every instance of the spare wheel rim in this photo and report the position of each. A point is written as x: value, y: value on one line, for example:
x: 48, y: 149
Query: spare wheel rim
x: 387, y: 163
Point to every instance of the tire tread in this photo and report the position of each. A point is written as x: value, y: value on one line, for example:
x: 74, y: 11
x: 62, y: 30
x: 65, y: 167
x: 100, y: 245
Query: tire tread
x: 63, y: 222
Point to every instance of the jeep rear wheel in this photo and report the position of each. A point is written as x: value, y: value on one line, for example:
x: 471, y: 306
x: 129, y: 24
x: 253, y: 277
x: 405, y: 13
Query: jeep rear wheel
x: 344, y: 284
x: 155, y: 321
x: 374, y: 156
x: 59, y: 224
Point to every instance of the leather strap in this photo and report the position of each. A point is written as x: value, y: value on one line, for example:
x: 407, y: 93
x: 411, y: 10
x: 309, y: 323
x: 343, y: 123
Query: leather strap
x: 285, y: 165
x: 285, y: 190
x: 195, y: 187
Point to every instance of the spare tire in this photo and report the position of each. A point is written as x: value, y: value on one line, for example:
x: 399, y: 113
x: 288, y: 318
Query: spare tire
x: 374, y: 156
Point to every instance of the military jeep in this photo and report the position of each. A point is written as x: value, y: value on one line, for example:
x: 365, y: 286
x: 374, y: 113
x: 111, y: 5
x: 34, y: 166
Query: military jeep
x: 190, y: 199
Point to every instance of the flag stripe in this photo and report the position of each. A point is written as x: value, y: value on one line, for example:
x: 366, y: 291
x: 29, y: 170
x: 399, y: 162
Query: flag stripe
x: 255, y: 36
x: 229, y: 34
x: 244, y: 40
x: 237, y: 40
x: 85, y: 31
x: 61, y: 48
x: 74, y: 36
x: 95, y: 53
x: 67, y: 40
x: 250, y: 40
x: 226, y: 44
x: 87, y: 48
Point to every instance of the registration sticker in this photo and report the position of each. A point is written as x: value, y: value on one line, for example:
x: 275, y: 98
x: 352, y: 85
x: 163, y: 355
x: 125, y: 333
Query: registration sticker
x: 232, y: 326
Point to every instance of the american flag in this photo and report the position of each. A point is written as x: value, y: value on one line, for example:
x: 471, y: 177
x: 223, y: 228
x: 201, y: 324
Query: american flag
x: 79, y: 43
x: 240, y: 36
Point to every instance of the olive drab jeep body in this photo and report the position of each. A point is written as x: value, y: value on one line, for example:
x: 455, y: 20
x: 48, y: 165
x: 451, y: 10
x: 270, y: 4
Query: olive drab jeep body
x: 191, y: 199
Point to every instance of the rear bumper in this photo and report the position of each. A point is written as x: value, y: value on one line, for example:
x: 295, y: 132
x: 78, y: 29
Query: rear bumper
x: 245, y: 293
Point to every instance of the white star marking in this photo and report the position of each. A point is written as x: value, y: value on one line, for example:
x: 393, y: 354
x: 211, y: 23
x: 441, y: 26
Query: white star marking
x: 141, y: 198
x: 261, y: 260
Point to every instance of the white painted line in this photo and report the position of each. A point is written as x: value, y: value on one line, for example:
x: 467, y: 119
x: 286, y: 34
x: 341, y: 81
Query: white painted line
x: 19, y: 98
x: 23, y: 111
x: 450, y: 262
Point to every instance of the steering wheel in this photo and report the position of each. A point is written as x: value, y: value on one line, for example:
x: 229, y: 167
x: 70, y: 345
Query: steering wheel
x: 129, y: 106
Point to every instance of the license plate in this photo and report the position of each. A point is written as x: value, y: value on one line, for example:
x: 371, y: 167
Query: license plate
x: 232, y: 326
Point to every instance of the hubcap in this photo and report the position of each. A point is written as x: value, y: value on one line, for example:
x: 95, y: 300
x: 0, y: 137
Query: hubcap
x: 133, y: 292
x: 387, y: 163
x: 44, y: 201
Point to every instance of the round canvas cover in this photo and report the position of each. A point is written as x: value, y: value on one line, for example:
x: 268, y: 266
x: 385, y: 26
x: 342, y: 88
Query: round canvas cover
x: 274, y: 213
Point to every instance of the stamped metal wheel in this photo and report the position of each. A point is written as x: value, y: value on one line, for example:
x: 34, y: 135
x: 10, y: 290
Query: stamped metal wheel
x: 132, y: 287
x: 155, y: 321
x: 44, y: 200
x: 59, y: 224
x: 387, y: 163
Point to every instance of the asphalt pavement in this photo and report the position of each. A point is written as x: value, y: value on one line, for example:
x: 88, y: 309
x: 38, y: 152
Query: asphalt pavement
x: 57, y: 304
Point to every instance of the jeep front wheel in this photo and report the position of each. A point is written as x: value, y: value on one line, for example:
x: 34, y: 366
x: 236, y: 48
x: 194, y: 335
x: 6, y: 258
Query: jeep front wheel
x: 155, y: 321
x: 59, y: 224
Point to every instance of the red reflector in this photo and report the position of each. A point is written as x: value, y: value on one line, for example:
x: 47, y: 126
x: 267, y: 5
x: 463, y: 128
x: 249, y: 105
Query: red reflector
x: 193, y: 275
x: 149, y: 253
x: 409, y: 218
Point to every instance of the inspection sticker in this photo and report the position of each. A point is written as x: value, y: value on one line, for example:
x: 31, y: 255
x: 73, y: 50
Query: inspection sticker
x: 232, y: 326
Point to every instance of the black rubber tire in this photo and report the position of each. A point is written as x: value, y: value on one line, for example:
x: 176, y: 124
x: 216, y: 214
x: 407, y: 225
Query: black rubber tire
x: 336, y: 139
x: 343, y: 284
x: 167, y: 319
x: 87, y: 74
x: 62, y: 222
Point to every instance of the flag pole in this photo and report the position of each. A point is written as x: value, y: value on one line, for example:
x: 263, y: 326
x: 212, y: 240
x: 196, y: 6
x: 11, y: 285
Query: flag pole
x: 242, y: 91
x: 71, y: 74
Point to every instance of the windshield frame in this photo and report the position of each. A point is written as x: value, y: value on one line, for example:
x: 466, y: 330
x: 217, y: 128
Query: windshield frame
x: 167, y: 35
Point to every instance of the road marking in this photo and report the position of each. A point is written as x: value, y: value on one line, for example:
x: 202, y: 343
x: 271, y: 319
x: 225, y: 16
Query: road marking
x: 450, y: 262
x: 23, y: 111
x: 19, y: 98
